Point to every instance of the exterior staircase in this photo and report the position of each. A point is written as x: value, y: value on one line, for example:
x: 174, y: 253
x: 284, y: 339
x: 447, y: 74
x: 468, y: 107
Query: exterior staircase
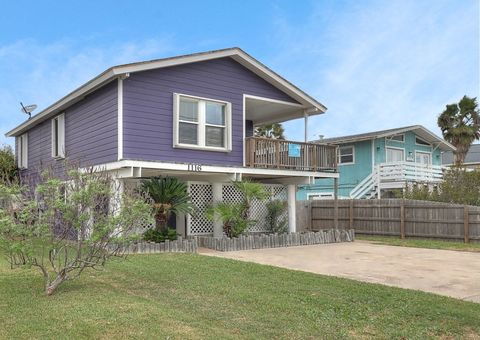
x: 367, y: 188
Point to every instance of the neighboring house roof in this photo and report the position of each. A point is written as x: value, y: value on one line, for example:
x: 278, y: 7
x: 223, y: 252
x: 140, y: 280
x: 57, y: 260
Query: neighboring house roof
x: 472, y: 157
x: 312, y: 106
x: 419, y: 130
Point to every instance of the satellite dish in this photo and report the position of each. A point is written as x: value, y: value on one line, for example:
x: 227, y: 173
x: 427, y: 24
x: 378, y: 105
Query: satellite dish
x: 28, y: 109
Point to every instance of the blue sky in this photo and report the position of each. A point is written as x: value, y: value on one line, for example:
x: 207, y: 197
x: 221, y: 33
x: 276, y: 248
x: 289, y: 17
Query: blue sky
x: 374, y: 64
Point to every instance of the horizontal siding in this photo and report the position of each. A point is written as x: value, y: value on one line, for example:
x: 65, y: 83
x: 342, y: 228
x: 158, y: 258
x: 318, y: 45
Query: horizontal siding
x: 90, y: 133
x: 91, y: 127
x: 148, y: 106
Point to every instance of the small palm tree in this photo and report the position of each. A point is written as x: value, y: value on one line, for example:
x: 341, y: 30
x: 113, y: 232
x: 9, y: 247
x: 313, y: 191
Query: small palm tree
x: 275, y: 131
x: 236, y: 216
x: 169, y: 195
x: 250, y: 191
x: 460, y: 125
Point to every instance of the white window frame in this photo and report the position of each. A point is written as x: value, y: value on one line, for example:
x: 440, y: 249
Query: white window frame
x: 394, y: 148
x: 22, y: 151
x: 340, y: 156
x: 427, y: 144
x: 398, y: 135
x: 58, y: 144
x: 201, y: 124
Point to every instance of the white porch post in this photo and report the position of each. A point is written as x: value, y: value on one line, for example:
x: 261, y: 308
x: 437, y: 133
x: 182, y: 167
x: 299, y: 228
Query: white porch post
x: 180, y: 224
x: 291, y: 204
x: 217, y: 198
x: 305, y: 122
x: 116, y: 203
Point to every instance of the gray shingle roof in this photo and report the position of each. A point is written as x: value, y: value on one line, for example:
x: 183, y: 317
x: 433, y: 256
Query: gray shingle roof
x: 367, y: 135
x: 417, y: 129
x: 473, y: 155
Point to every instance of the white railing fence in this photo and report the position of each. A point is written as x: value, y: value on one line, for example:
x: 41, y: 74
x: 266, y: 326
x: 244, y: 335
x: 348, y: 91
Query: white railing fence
x: 386, y: 174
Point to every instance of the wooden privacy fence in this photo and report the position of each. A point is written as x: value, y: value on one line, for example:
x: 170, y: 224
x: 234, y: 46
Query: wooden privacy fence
x: 394, y: 217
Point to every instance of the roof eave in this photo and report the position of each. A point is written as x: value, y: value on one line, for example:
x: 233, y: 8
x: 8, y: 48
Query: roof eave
x: 65, y: 101
x: 313, y: 106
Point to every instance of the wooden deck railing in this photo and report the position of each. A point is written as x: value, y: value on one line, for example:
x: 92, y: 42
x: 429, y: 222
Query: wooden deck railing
x: 288, y: 155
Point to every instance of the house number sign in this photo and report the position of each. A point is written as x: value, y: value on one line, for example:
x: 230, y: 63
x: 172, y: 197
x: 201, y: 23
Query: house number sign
x: 194, y: 167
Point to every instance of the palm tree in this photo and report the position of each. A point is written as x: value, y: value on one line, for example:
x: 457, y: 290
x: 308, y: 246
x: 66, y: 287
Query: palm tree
x: 250, y: 191
x: 236, y: 216
x: 274, y: 131
x: 169, y: 195
x: 460, y: 125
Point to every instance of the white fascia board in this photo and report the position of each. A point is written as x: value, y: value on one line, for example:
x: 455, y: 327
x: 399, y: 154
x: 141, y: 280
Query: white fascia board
x: 312, y: 105
x: 433, y: 137
x: 184, y: 168
x: 244, y: 59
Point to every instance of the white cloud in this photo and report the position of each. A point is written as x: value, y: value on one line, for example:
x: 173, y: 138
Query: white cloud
x: 41, y: 73
x: 382, y: 64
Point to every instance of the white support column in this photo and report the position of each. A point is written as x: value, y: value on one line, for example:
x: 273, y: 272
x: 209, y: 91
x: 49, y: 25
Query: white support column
x: 291, y: 204
x: 180, y: 225
x: 117, y: 198
x: 217, y: 198
x: 116, y: 202
x: 305, y: 121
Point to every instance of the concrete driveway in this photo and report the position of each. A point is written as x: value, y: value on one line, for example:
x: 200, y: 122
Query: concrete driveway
x: 445, y: 272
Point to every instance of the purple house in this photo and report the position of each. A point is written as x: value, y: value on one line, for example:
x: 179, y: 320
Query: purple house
x: 190, y: 116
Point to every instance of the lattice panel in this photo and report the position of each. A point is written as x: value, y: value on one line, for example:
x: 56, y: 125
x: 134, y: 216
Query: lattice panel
x: 279, y: 192
x: 202, y: 198
x: 145, y: 224
x: 258, y: 210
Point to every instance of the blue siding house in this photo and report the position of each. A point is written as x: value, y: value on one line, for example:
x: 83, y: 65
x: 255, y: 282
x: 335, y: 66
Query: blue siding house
x: 375, y: 164
x: 190, y: 116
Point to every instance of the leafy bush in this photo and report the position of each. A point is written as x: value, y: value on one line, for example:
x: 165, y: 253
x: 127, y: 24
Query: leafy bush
x: 8, y: 168
x: 458, y: 186
x: 159, y: 236
x: 77, y: 221
x: 276, y: 220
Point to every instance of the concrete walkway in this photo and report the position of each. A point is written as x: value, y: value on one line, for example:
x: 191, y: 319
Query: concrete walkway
x: 445, y: 272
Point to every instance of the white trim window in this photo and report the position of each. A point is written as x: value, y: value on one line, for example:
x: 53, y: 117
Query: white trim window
x: 201, y: 123
x: 58, y: 136
x: 22, y: 151
x: 346, y: 154
x: 394, y: 155
x: 398, y: 138
x: 420, y: 141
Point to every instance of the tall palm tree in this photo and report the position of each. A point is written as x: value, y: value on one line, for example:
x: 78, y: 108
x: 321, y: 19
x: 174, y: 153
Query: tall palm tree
x: 169, y: 195
x: 460, y: 125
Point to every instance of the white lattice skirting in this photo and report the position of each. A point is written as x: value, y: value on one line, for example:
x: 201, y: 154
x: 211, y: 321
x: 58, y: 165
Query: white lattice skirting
x: 202, y: 197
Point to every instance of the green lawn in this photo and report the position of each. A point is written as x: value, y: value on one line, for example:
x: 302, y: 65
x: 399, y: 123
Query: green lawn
x: 191, y: 296
x: 421, y: 243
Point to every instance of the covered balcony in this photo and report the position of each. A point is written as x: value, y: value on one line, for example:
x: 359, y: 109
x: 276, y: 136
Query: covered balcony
x: 289, y: 155
x: 279, y: 154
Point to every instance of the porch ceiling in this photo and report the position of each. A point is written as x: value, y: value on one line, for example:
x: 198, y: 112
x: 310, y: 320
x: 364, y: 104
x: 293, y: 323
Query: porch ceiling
x: 266, y: 111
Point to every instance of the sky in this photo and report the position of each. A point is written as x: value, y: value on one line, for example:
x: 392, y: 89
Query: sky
x: 375, y: 64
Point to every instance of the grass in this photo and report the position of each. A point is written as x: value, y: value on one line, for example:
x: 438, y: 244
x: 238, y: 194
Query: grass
x: 421, y: 243
x: 179, y: 296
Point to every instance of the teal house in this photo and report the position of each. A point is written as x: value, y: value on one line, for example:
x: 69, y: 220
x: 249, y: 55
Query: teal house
x: 376, y: 164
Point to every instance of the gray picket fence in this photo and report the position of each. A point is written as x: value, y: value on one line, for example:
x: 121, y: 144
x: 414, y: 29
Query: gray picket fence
x: 247, y: 242
x: 177, y: 246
